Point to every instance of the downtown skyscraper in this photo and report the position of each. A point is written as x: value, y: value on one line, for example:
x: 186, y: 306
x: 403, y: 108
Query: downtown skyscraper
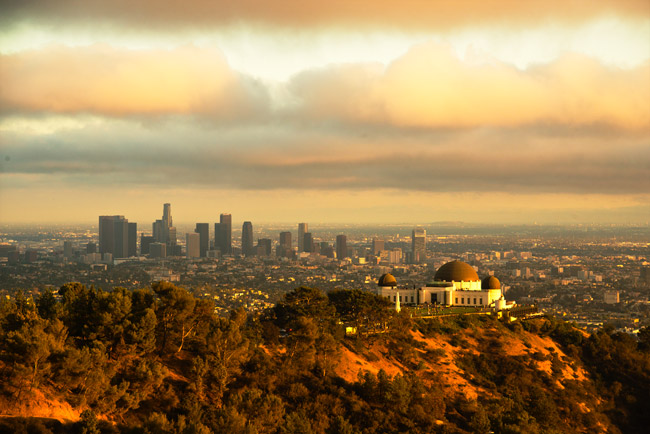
x: 419, y: 245
x: 223, y: 234
x: 341, y: 246
x: 164, y: 230
x: 117, y: 236
x: 247, y: 247
x: 302, y: 230
x: 285, y: 248
x: 203, y: 229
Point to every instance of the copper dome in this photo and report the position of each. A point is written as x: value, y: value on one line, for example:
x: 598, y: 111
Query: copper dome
x: 456, y: 271
x: 387, y: 280
x: 490, y: 282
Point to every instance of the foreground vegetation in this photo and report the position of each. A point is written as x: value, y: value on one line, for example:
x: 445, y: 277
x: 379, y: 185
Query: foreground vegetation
x: 158, y: 360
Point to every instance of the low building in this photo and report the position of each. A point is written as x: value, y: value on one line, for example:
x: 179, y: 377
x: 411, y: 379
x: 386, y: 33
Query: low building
x: 455, y: 284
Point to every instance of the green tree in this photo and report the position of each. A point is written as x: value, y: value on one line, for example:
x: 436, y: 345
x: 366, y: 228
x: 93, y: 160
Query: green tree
x: 175, y: 314
x: 364, y: 310
x: 305, y: 302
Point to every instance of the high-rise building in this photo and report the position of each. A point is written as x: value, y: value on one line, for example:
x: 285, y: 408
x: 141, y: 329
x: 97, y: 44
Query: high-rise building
x: 327, y: 250
x: 247, y: 247
x: 171, y: 238
x: 223, y: 239
x: 645, y: 274
x: 377, y: 246
x: 168, y: 224
x: 419, y: 245
x: 106, y: 233
x: 91, y: 247
x: 145, y: 242
x: 67, y: 249
x: 203, y: 229
x: 164, y: 230
x: 157, y: 231
x: 341, y: 246
x: 132, y: 242
x: 157, y: 250
x: 121, y: 236
x: 193, y: 245
x: 307, y: 243
x: 302, y: 229
x: 114, y: 236
x: 285, y: 249
x: 264, y: 247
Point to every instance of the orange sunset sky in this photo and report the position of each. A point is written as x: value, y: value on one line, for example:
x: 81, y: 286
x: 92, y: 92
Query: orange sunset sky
x: 343, y: 112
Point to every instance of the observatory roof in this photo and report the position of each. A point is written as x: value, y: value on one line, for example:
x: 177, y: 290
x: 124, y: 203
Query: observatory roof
x: 456, y: 271
x: 387, y: 280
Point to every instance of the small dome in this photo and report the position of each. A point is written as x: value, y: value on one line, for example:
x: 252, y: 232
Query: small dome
x: 387, y: 280
x: 490, y: 282
x: 456, y: 271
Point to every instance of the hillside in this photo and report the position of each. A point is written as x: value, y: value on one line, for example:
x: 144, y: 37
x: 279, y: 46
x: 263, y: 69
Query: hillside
x: 157, y: 360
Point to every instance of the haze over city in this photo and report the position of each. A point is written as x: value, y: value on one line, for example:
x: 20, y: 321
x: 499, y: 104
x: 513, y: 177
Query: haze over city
x: 407, y: 112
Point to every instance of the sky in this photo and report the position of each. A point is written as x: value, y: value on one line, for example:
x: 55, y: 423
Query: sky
x: 498, y: 112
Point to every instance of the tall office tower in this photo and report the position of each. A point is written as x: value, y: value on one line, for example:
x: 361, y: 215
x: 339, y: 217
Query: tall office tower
x: 217, y: 236
x: 157, y: 250
x: 302, y: 229
x: 106, y: 230
x: 307, y: 243
x: 164, y: 230
x: 247, y: 247
x: 91, y: 247
x: 132, y: 245
x: 168, y: 226
x: 645, y: 274
x: 341, y: 246
x: 167, y: 215
x: 114, y: 236
x: 225, y: 226
x: 264, y: 247
x: 203, y: 229
x: 145, y: 242
x: 377, y: 246
x: 157, y: 231
x: 193, y: 245
x: 419, y: 245
x: 67, y: 249
x: 327, y: 250
x: 285, y: 248
x: 171, y: 237
x: 121, y: 234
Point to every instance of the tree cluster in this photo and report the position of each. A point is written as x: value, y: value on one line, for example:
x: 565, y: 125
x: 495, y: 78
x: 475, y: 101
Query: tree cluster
x: 158, y: 360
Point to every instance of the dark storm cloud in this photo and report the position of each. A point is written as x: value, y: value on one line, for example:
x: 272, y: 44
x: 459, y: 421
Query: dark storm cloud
x: 469, y: 162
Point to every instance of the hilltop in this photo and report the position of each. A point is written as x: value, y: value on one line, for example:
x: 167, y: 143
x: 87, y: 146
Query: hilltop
x: 158, y: 360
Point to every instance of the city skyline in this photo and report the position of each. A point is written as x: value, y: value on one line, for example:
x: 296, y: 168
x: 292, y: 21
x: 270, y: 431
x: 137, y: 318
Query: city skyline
x: 413, y: 112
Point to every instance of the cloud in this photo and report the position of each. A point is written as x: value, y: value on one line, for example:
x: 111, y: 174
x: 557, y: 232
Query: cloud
x: 407, y: 14
x: 124, y: 154
x: 429, y: 87
x: 120, y: 82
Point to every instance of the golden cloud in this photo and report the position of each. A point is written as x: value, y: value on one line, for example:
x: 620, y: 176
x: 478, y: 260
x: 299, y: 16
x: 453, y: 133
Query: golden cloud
x: 429, y: 87
x: 109, y: 81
